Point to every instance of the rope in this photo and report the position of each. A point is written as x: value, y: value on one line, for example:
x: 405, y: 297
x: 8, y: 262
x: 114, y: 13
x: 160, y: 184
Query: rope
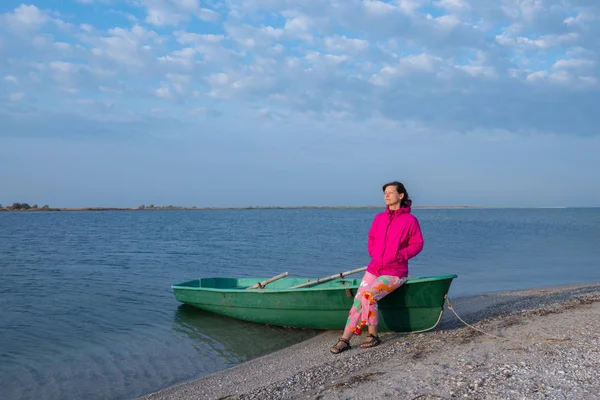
x: 496, y: 336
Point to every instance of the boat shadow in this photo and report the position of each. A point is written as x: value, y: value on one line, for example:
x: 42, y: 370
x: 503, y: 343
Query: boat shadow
x: 235, y: 340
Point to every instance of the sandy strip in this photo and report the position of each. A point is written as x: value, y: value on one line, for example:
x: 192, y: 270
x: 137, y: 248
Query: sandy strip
x: 542, y: 343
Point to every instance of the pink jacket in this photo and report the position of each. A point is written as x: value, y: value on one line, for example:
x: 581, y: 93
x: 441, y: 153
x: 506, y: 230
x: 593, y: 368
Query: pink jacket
x: 394, y: 238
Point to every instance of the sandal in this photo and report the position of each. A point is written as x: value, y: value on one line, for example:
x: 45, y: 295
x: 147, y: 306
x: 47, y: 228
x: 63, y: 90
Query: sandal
x: 337, y: 349
x: 375, y: 341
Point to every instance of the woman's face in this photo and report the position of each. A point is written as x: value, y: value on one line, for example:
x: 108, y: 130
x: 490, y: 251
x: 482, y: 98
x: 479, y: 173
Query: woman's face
x: 391, y: 196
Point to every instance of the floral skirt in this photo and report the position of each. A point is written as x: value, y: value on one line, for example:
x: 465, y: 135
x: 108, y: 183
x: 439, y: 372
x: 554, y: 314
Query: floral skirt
x: 364, y: 308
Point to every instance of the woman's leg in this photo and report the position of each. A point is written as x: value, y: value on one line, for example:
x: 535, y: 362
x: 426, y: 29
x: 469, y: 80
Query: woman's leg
x: 364, y: 311
x: 379, y: 288
x: 354, y: 314
x: 353, y: 324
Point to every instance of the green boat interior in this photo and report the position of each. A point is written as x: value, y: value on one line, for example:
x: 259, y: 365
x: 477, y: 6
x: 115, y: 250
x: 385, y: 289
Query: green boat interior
x: 243, y: 283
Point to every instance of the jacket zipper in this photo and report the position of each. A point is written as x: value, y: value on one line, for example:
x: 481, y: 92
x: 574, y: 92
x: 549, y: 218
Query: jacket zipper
x: 390, y: 219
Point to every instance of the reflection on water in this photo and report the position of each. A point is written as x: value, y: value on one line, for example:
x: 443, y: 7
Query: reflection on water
x: 234, y: 340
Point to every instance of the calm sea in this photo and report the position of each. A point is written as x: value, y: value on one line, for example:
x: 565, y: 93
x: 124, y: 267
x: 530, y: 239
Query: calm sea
x: 86, y: 309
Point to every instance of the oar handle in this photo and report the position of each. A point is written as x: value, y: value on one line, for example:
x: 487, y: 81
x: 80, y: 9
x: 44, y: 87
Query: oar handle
x: 328, y: 278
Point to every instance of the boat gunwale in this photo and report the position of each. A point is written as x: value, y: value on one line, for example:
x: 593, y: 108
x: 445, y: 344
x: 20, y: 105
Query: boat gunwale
x: 414, y: 280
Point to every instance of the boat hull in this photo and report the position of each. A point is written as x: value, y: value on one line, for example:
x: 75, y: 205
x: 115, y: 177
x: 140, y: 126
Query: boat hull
x: 415, y: 306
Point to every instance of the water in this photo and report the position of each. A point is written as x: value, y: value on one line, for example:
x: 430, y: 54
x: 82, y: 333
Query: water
x: 86, y: 309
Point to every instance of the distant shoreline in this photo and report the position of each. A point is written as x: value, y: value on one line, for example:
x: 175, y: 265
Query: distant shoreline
x: 162, y: 208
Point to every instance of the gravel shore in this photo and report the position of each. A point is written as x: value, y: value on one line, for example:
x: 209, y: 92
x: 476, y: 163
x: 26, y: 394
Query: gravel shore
x: 530, y: 344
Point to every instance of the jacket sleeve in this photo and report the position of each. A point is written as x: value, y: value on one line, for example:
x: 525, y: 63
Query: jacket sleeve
x: 372, y: 232
x: 415, y: 243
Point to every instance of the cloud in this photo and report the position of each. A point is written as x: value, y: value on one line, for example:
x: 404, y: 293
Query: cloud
x: 132, y: 47
x: 161, y: 13
x: 574, y: 63
x: 345, y: 45
x: 413, y: 64
x: 25, y: 18
x: 462, y: 64
x: 543, y: 42
x: 164, y: 93
x: 453, y: 5
x: 17, y: 96
x: 12, y: 79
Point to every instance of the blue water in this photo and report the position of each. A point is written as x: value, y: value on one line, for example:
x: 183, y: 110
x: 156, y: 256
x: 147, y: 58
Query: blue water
x: 86, y: 309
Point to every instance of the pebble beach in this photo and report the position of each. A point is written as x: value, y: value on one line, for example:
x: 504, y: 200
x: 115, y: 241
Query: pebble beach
x: 528, y: 344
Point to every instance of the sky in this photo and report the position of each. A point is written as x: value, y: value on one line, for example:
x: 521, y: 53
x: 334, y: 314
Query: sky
x: 118, y: 103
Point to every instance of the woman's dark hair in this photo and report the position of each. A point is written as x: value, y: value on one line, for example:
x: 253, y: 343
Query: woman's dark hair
x: 406, y: 201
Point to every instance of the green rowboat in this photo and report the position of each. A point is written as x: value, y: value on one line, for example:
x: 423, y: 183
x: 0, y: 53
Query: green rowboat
x: 415, y: 307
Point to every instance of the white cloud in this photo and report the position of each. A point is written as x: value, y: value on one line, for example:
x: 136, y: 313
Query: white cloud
x: 164, y: 93
x: 208, y: 15
x: 378, y: 8
x: 25, y: 18
x: 66, y: 75
x: 453, y: 5
x: 168, y: 12
x: 345, y: 45
x: 542, y: 42
x: 219, y: 85
x: 526, y: 10
x: 409, y: 7
x: 297, y: 24
x: 12, y: 79
x: 63, y: 68
x: 581, y: 19
x: 421, y: 62
x: 405, y: 66
x: 86, y: 28
x: 479, y: 66
x: 16, y: 97
x: 561, y: 77
x: 33, y: 77
x: 573, y: 63
x: 115, y: 90
x: 184, y: 58
x: 163, y: 13
x: 445, y: 21
x: 250, y: 37
x: 478, y: 70
x: 579, y: 51
x: 220, y: 79
x: 62, y: 46
x: 207, y: 46
x: 589, y: 80
x: 537, y: 76
x: 197, y: 39
x: 180, y: 82
x: 128, y: 47
x: 315, y: 57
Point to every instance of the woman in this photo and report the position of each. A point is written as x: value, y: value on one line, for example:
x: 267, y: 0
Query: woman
x: 394, y: 238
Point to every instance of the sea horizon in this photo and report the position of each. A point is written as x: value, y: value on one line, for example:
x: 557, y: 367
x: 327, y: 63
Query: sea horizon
x: 274, y: 207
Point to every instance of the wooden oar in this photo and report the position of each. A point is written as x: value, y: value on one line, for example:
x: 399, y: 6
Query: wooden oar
x: 267, y: 281
x: 340, y: 275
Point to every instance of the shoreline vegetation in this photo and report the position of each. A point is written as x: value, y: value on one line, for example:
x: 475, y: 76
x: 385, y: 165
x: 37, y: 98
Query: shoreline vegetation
x: 25, y: 207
